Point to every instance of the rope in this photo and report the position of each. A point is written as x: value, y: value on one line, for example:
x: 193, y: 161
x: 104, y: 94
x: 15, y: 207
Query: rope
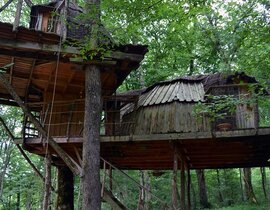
x: 5, y: 5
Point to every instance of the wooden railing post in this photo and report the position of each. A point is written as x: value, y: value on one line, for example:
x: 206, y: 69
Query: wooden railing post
x: 174, y: 180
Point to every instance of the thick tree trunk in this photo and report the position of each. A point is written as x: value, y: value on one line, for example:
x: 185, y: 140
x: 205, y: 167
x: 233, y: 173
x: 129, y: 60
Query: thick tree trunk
x: 91, y: 146
x: 249, y: 193
x: 91, y: 188
x: 263, y: 175
x: 65, y: 192
x: 202, y: 189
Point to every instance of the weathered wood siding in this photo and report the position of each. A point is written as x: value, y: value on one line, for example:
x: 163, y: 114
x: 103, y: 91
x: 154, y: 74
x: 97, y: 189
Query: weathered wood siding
x: 246, y: 114
x: 164, y: 118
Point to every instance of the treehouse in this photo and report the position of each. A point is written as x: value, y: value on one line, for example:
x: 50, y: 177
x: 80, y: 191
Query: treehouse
x: 43, y: 72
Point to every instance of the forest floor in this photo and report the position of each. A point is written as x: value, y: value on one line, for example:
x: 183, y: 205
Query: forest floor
x: 246, y: 207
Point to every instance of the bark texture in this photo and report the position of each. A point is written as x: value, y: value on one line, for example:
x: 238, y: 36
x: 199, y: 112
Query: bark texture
x: 249, y: 193
x: 47, y: 183
x: 91, y: 187
x: 65, y: 192
x: 202, y: 189
x: 264, y: 183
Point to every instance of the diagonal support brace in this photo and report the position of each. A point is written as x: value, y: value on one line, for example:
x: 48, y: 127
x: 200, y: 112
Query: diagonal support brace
x: 23, y: 153
x: 62, y: 154
x: 21, y: 150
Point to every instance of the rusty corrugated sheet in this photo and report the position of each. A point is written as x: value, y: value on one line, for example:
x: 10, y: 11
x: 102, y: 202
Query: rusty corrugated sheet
x: 182, y: 91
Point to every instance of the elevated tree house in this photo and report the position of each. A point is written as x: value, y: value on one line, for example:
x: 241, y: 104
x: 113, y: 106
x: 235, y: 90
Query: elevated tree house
x: 151, y: 129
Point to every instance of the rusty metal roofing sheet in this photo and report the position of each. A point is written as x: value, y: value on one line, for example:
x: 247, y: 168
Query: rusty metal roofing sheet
x: 182, y: 91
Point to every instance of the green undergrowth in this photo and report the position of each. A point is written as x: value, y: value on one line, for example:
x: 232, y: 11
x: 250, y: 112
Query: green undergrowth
x: 246, y: 207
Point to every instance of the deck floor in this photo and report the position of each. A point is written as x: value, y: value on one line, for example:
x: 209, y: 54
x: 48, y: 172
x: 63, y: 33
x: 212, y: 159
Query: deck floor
x: 230, y: 149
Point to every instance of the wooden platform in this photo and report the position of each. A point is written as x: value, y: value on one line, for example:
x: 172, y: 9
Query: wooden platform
x: 239, y: 148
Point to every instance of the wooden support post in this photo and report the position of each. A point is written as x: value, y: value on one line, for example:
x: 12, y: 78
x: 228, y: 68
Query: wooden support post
x: 47, y: 183
x: 174, y: 181
x: 38, y: 126
x: 65, y: 192
x: 183, y: 186
x: 18, y: 15
x: 188, y: 190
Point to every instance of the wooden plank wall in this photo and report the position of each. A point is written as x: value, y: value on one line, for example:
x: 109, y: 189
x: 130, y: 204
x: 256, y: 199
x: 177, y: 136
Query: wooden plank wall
x: 246, y: 114
x: 165, y: 118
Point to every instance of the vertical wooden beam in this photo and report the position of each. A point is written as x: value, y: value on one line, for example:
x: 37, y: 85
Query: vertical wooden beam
x: 188, y: 190
x: 38, y: 126
x: 183, y: 186
x: 174, y: 181
x: 18, y: 15
x: 30, y: 78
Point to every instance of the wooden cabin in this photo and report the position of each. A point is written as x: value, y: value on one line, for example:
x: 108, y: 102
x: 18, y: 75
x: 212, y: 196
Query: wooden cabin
x: 168, y: 106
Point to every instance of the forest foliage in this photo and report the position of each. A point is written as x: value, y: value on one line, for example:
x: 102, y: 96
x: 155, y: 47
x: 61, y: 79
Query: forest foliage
x: 184, y: 37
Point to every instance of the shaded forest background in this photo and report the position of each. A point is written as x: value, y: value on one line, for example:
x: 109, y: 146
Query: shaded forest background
x: 184, y: 38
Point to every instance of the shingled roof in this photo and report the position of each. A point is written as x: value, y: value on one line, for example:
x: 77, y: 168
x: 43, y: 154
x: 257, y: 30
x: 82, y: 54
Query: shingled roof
x: 174, y: 90
x: 184, y: 89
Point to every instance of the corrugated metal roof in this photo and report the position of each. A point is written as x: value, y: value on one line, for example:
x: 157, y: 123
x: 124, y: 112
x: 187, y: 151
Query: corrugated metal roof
x: 182, y: 91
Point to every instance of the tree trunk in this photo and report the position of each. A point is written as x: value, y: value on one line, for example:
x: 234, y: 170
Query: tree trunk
x: 249, y: 193
x: 18, y: 202
x: 241, y: 185
x: 47, y: 184
x: 194, y: 201
x: 5, y: 153
x: 28, y: 203
x: 91, y: 143
x: 65, y: 192
x: 144, y: 196
x: 263, y: 175
x: 202, y: 189
x: 91, y: 188
x: 220, y: 197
